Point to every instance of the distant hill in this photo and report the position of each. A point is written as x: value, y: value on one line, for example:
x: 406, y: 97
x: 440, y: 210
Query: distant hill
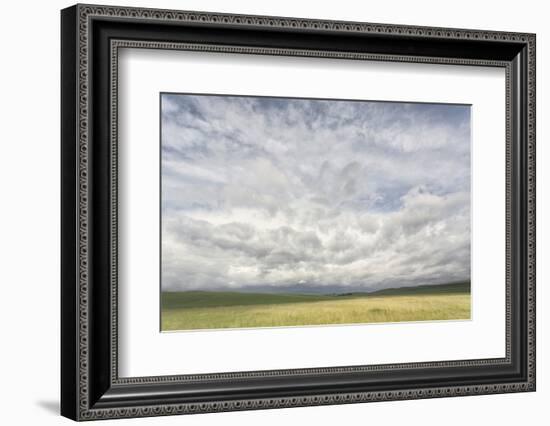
x: 193, y: 299
x: 182, y: 299
x: 462, y: 287
x: 309, y: 290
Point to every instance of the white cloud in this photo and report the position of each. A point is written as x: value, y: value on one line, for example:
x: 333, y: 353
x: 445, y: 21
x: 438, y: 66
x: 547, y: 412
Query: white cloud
x: 261, y: 192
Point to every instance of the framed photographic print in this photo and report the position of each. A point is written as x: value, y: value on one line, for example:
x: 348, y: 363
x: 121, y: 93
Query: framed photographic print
x: 263, y: 212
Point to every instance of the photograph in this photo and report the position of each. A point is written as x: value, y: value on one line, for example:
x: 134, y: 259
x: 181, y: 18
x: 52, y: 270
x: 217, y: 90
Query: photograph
x: 284, y: 211
x: 277, y: 210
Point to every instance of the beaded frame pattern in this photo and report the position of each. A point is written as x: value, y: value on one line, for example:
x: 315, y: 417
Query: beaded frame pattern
x: 85, y: 13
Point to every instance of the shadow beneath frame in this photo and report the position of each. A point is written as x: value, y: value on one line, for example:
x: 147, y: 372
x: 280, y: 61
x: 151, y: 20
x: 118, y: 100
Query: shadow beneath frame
x: 50, y: 406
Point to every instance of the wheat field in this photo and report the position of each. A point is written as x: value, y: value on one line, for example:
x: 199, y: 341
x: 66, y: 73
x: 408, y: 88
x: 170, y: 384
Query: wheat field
x: 195, y: 310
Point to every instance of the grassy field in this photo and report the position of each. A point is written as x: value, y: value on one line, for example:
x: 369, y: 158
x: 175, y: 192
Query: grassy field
x: 192, y: 310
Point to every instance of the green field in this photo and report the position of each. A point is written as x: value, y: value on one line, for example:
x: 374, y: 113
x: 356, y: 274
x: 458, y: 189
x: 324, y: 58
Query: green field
x: 192, y: 310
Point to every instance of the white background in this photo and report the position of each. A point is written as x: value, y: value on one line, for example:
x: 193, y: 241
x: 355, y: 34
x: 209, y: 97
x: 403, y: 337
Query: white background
x: 146, y: 352
x: 29, y: 229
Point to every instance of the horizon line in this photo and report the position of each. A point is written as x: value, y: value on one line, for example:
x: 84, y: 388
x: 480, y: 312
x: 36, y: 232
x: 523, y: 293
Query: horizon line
x: 351, y: 291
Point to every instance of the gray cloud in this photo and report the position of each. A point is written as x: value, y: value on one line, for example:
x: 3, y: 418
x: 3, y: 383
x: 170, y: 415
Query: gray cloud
x: 312, y: 194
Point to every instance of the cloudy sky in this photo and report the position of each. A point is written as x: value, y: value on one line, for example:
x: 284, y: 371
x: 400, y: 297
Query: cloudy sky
x: 313, y: 195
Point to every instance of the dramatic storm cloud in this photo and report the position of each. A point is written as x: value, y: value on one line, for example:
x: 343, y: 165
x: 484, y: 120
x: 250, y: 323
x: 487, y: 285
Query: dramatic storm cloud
x: 313, y: 195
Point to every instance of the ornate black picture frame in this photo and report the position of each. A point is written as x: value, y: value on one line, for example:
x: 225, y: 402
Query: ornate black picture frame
x: 91, y: 387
